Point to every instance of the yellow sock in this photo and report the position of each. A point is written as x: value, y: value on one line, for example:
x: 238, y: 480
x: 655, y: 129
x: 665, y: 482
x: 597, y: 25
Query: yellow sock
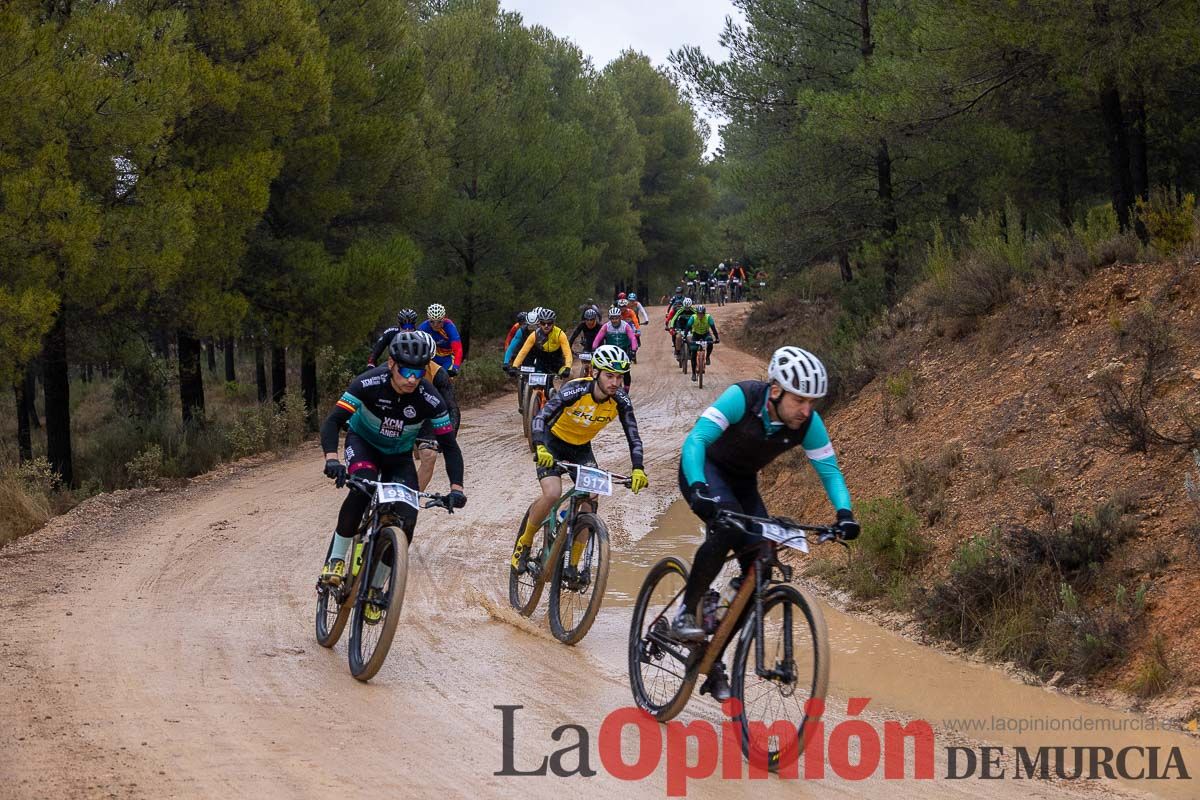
x: 528, y: 534
x: 577, y: 550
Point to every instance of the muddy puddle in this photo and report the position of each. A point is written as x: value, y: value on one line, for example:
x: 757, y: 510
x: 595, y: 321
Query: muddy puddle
x: 960, y: 699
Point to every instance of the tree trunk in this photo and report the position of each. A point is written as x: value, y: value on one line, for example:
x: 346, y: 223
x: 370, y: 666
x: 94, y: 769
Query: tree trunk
x: 191, y: 377
x: 58, y: 401
x: 891, y: 260
x: 24, y: 440
x: 31, y: 397
x: 308, y: 384
x: 1117, y: 140
x: 843, y: 257
x: 278, y: 373
x: 230, y: 372
x: 211, y: 347
x: 1139, y: 159
x: 260, y: 372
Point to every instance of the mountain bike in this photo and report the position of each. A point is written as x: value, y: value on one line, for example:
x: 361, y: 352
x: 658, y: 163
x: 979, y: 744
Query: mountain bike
x: 380, y: 550
x: 782, y: 656
x: 722, y: 292
x: 539, y: 387
x: 585, y: 364
x: 737, y: 290
x: 573, y: 557
x: 681, y: 350
x: 698, y: 353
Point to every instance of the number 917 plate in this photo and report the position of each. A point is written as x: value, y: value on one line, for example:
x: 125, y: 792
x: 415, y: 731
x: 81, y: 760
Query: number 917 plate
x: 593, y: 481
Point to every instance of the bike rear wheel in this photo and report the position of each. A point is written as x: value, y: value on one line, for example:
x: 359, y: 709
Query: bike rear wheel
x: 370, y: 642
x: 792, y: 625
x: 660, y: 669
x: 573, y: 608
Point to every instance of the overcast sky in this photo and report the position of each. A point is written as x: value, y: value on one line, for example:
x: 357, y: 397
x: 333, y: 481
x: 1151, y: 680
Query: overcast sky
x: 654, y: 27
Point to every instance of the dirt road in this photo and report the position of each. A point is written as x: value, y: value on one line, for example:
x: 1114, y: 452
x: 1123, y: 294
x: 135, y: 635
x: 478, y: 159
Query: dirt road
x: 161, y: 645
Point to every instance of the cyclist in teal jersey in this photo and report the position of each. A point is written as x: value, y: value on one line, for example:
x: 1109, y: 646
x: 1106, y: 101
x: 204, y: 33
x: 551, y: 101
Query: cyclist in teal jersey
x: 747, y: 428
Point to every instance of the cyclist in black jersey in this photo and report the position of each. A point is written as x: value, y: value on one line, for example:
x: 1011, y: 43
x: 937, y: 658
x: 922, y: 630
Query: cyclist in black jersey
x: 427, y: 448
x: 406, y: 320
x: 384, y: 409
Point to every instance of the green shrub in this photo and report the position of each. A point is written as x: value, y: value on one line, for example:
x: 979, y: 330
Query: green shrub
x: 142, y: 387
x: 1012, y: 595
x: 146, y: 468
x: 885, y: 556
x: 900, y: 396
x: 25, y: 498
x: 1155, y: 673
x: 1171, y: 222
x: 479, y: 379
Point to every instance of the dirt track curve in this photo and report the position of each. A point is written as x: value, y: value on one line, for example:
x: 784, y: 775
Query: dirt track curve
x: 160, y: 644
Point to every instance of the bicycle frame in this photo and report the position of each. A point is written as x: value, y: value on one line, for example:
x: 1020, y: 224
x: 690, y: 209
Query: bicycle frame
x: 370, y: 524
x: 703, y: 655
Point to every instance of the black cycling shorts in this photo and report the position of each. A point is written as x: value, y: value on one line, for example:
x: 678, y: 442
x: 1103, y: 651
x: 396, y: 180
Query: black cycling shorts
x: 575, y: 453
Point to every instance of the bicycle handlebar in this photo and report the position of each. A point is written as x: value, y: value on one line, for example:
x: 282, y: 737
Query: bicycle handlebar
x: 624, y: 480
x: 827, y: 533
x: 367, y: 487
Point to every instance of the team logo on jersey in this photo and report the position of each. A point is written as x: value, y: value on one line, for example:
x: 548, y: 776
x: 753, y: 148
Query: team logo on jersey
x: 374, y: 381
x: 433, y: 401
x: 390, y: 426
x: 410, y: 412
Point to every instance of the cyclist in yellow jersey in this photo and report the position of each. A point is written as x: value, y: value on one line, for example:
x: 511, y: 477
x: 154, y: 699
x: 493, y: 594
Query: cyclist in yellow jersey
x: 564, y: 430
x: 549, y: 345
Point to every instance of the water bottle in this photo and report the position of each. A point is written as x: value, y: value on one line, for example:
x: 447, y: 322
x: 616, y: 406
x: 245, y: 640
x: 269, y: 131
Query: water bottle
x: 562, y: 517
x: 726, y: 598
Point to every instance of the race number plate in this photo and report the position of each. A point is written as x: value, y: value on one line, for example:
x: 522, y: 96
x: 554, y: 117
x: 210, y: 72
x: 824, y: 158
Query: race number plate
x: 593, y: 481
x: 527, y: 369
x: 398, y: 493
x: 537, y: 379
x: 793, y: 539
x: 585, y: 356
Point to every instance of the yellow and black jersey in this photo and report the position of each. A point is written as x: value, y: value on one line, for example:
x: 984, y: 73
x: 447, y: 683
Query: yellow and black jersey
x: 553, y: 342
x: 575, y: 417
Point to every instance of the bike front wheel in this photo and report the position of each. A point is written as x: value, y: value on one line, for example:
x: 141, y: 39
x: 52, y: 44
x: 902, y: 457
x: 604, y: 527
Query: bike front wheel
x: 333, y: 610
x: 793, y: 673
x: 575, y: 598
x: 525, y: 586
x: 660, y: 668
x: 370, y: 639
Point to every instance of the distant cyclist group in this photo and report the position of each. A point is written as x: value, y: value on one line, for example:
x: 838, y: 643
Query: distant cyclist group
x: 405, y: 404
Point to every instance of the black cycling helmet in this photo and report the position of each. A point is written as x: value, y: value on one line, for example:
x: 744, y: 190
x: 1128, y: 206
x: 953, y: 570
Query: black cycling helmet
x: 411, y: 349
x: 546, y: 315
x: 591, y: 313
x: 406, y: 316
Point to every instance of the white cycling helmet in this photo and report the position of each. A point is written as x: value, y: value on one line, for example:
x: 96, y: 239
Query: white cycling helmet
x: 687, y: 302
x: 436, y: 312
x: 610, y: 358
x: 622, y: 302
x: 614, y: 312
x: 799, y: 372
x: 531, y: 316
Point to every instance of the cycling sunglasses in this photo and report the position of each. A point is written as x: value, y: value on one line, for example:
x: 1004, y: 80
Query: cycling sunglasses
x: 411, y: 372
